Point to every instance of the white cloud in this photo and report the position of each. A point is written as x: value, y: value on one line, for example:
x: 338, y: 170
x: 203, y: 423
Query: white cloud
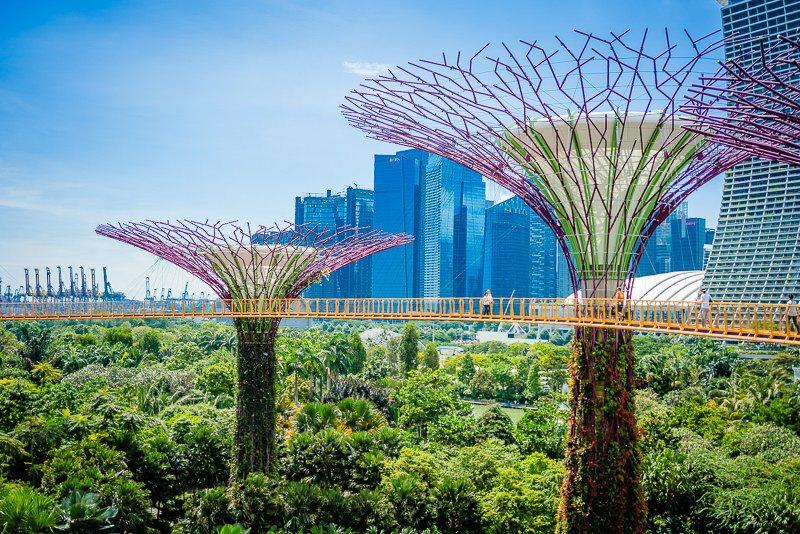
x: 366, y: 69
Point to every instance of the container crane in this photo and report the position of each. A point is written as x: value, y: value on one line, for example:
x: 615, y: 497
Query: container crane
x: 110, y: 294
x: 73, y: 284
x: 62, y: 292
x: 50, y: 291
x: 84, y: 291
x: 28, y: 290
x: 40, y: 294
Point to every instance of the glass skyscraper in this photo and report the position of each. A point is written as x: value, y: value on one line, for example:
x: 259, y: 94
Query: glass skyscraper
x: 397, y: 272
x: 507, y: 261
x: 454, y: 217
x: 756, y: 252
x: 331, y: 213
x: 658, y: 254
x: 522, y: 255
x: 549, y: 272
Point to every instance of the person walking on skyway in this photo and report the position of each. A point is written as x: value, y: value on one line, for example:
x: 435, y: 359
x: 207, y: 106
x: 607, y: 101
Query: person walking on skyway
x: 487, y: 303
x: 791, y: 314
x: 619, y: 295
x: 705, y: 301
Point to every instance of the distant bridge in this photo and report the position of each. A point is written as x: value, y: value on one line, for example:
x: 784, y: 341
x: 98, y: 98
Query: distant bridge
x: 765, y: 323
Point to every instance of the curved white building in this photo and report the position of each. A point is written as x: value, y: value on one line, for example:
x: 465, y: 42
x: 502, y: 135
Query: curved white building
x: 678, y: 285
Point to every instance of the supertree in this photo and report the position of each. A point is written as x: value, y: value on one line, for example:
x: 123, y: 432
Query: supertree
x: 753, y: 103
x: 250, y: 266
x: 589, y: 138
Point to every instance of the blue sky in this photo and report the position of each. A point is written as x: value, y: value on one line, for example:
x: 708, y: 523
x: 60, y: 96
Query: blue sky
x: 117, y: 111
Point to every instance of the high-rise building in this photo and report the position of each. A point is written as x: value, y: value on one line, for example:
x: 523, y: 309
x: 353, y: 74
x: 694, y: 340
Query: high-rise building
x: 455, y: 203
x: 507, y: 264
x: 756, y: 252
x: 397, y: 272
x: 688, y: 237
x: 658, y: 254
x: 545, y: 258
x: 331, y: 213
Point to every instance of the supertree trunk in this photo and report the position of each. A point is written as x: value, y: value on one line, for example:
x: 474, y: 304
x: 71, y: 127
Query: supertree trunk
x: 255, y: 404
x: 602, y: 491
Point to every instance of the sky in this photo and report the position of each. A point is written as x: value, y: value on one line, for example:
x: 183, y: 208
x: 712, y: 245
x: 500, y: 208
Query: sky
x: 212, y: 110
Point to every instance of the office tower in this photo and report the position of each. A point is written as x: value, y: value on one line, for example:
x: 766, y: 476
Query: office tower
x: 563, y: 281
x: 545, y: 255
x: 688, y: 237
x: 507, y: 267
x: 658, y: 255
x: 455, y: 204
x: 354, y: 208
x: 397, y: 272
x: 756, y: 253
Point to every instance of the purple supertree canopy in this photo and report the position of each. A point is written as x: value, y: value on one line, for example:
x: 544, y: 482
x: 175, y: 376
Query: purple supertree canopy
x: 587, y: 135
x: 753, y: 103
x: 242, y: 262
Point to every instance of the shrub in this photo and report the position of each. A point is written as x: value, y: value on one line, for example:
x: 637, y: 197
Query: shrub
x: 26, y: 510
x: 543, y: 428
x: 17, y: 400
x: 217, y: 379
x: 768, y: 442
x: 205, y: 510
x: 513, y: 504
x: 81, y: 512
x: 92, y: 467
x: 150, y: 343
x: 456, y: 507
x: 494, y: 423
x: 86, y: 340
x: 112, y: 336
x: 424, y: 399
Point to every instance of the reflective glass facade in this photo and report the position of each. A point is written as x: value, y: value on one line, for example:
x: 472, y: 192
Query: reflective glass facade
x: 453, y: 236
x: 658, y: 253
x: 333, y: 212
x: 756, y: 251
x: 397, y: 272
x: 546, y: 258
x: 507, y: 265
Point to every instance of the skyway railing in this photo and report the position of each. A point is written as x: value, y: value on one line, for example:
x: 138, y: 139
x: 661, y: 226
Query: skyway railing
x: 726, y: 320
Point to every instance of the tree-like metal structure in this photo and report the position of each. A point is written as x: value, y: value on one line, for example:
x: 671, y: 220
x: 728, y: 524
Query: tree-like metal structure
x: 753, y: 103
x: 590, y: 139
x: 250, y: 266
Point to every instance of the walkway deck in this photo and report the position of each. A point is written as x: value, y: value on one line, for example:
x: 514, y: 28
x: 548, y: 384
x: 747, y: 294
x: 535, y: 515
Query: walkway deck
x: 736, y: 321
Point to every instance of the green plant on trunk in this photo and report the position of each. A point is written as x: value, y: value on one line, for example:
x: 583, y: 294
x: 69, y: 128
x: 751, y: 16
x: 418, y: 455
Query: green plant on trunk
x: 602, y: 490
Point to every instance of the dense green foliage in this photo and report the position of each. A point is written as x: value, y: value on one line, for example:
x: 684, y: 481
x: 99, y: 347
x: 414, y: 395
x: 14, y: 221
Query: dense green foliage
x: 98, y: 434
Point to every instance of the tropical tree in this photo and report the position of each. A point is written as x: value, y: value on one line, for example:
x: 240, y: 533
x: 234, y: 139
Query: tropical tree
x: 431, y: 357
x: 358, y: 354
x: 409, y: 348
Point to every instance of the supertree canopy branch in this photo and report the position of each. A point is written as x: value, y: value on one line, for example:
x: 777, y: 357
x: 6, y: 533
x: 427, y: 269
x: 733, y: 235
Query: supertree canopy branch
x: 240, y: 262
x: 589, y: 137
x: 753, y: 103
x: 539, y: 123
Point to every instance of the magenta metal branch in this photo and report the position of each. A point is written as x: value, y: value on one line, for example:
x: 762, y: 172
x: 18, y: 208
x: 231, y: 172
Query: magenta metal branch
x: 240, y: 261
x: 753, y: 103
x: 493, y: 113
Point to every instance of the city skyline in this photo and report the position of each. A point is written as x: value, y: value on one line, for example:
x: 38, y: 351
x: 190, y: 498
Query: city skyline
x: 129, y: 111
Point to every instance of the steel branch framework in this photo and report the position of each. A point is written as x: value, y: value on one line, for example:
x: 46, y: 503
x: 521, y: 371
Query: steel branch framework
x: 753, y: 105
x: 588, y: 136
x: 240, y: 262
